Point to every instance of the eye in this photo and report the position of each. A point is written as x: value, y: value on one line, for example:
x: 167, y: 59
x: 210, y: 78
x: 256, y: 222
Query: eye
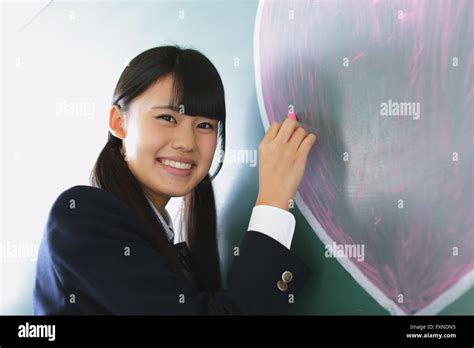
x: 206, y: 123
x: 166, y: 117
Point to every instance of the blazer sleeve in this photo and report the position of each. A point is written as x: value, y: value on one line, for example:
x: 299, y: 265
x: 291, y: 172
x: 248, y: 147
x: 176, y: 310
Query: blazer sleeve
x: 94, y: 259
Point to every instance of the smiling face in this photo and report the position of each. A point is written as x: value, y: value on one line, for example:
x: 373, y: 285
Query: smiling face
x: 153, y: 132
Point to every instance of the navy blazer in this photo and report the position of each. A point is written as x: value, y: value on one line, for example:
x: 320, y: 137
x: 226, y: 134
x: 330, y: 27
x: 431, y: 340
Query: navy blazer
x: 83, y: 269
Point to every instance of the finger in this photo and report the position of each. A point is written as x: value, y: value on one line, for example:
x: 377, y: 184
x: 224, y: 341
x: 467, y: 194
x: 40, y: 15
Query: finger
x: 306, y: 144
x: 272, y: 131
x: 286, y: 130
x: 296, y: 138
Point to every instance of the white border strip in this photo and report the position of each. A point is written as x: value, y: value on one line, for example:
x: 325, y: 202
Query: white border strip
x: 2, y: 280
x: 450, y: 295
x: 256, y: 58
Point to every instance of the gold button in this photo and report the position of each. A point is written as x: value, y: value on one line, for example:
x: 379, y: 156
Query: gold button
x: 287, y: 276
x: 282, y: 286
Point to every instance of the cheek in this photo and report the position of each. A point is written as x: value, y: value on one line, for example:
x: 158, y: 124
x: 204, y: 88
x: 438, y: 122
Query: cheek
x: 154, y: 138
x: 207, y: 148
x: 132, y: 140
x: 144, y: 141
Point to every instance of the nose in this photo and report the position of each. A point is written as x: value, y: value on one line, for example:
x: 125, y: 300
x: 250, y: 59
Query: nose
x: 183, y: 138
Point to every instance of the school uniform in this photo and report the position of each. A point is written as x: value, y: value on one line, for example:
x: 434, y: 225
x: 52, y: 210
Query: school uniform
x: 96, y: 259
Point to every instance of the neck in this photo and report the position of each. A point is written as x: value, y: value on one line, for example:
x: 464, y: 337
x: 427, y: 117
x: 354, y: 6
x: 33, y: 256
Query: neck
x: 158, y: 200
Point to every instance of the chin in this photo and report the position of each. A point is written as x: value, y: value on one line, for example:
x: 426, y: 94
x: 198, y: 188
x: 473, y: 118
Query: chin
x: 179, y: 193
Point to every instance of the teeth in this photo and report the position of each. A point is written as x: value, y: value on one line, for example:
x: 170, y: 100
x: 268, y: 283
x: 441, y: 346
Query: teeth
x: 174, y: 164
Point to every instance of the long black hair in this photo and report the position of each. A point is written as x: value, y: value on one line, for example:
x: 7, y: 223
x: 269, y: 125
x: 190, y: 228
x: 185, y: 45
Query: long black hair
x: 198, y: 86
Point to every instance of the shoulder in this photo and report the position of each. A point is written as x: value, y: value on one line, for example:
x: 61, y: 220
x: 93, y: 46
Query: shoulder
x: 90, y: 201
x: 88, y: 211
x: 81, y: 196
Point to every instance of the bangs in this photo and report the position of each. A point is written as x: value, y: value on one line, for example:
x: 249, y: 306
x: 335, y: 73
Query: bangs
x: 198, y: 87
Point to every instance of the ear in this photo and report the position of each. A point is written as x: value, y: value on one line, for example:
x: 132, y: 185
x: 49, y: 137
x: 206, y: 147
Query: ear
x: 117, y: 122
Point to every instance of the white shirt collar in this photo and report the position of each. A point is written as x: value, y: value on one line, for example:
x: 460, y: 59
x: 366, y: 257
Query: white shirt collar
x: 169, y: 223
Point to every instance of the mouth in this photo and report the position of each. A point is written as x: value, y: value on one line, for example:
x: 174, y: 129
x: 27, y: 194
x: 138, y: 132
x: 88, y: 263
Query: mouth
x: 176, y: 168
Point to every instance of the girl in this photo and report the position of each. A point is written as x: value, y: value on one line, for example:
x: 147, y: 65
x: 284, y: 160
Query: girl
x: 108, y: 248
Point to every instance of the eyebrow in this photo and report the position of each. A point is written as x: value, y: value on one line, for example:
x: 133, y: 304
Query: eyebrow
x: 170, y: 107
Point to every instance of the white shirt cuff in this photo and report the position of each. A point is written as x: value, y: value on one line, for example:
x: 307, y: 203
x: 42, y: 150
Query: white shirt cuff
x: 276, y: 223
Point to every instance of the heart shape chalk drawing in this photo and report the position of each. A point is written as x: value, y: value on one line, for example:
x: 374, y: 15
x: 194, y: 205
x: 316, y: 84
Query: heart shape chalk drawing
x: 387, y: 88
